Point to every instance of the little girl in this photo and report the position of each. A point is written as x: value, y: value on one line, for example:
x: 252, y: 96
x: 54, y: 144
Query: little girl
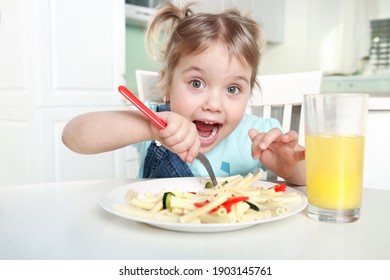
x: 209, y: 68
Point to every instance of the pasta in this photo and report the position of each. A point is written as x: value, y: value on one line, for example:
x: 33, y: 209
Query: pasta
x: 235, y: 199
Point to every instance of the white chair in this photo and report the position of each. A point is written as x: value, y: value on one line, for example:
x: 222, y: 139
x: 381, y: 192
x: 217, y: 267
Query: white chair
x: 146, y: 86
x: 281, y: 96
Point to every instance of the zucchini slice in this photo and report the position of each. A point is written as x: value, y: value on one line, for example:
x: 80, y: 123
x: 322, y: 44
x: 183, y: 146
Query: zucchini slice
x: 167, y: 200
x: 252, y: 206
x: 210, y: 185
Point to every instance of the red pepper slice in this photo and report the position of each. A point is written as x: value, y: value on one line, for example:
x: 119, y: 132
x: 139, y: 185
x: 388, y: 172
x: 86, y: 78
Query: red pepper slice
x: 279, y: 188
x: 227, y: 207
x: 235, y: 199
x: 201, y: 204
x: 227, y: 204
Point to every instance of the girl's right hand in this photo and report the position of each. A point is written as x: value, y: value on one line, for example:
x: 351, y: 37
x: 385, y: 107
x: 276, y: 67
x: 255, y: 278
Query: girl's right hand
x: 179, y: 136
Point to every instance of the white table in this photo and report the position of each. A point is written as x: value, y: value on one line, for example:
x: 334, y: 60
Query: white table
x: 65, y: 221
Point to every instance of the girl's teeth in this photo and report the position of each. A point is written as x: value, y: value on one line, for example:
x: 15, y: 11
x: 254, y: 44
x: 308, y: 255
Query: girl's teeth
x: 212, y: 134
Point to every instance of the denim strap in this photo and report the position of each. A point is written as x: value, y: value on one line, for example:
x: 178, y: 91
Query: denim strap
x: 162, y: 163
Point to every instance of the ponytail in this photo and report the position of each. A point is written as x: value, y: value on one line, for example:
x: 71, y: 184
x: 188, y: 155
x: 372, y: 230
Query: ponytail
x: 162, y: 25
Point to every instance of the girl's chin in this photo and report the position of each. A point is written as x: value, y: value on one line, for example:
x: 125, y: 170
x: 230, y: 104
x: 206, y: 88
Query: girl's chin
x: 205, y: 149
x: 207, y: 146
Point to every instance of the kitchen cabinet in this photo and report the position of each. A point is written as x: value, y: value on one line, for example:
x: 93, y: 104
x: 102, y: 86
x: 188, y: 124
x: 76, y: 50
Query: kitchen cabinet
x: 58, y: 59
x: 375, y: 85
x: 377, y: 155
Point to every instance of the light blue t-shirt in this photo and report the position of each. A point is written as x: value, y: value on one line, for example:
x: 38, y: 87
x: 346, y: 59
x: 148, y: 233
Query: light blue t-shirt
x: 231, y: 156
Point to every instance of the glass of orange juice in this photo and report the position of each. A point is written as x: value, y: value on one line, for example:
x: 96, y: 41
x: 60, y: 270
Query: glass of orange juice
x: 335, y: 127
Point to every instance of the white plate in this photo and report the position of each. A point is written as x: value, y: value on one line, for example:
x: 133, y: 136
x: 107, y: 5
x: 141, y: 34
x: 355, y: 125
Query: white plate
x: 117, y: 195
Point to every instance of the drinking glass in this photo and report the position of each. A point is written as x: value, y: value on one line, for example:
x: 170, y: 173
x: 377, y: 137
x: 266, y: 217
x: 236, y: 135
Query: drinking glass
x: 335, y: 126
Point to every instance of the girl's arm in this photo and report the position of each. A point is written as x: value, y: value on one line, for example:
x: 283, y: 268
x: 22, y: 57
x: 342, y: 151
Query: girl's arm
x: 98, y: 132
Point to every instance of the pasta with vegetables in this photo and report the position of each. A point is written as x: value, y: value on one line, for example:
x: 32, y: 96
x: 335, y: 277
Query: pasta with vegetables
x: 235, y: 199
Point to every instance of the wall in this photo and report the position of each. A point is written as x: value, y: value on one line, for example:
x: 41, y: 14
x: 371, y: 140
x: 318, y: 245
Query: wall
x: 299, y: 52
x: 379, y: 9
x: 290, y: 56
x: 136, y: 55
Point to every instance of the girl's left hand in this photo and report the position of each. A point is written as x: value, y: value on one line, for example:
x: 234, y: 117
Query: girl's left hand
x: 278, y: 152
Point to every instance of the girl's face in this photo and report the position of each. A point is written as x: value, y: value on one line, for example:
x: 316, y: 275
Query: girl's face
x: 211, y: 89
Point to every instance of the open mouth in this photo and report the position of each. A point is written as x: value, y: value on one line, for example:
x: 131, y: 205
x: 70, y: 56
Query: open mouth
x: 208, y: 131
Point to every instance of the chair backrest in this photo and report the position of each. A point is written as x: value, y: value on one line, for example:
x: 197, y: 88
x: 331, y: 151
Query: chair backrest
x: 146, y: 86
x: 281, y: 96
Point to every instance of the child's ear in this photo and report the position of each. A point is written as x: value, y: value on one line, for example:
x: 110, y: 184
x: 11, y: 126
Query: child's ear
x: 166, y: 95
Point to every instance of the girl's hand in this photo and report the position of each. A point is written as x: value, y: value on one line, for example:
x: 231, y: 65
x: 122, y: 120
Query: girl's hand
x: 279, y: 153
x: 179, y: 136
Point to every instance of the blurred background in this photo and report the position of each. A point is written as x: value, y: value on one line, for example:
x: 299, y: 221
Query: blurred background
x: 61, y: 58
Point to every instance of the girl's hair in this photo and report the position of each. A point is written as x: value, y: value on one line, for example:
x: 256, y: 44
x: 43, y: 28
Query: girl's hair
x: 175, y: 32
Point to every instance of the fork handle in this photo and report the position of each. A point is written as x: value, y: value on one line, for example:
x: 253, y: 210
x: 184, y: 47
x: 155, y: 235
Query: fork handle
x: 141, y: 106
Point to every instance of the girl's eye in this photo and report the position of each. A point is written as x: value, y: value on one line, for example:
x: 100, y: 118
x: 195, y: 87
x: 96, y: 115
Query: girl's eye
x: 233, y: 89
x: 197, y: 84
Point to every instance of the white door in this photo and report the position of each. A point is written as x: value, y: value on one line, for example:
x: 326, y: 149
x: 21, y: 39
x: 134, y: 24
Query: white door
x: 59, y: 58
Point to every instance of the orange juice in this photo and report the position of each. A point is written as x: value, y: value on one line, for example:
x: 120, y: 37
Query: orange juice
x: 334, y: 166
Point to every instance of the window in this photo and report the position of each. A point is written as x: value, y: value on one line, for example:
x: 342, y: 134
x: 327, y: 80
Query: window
x: 380, y: 44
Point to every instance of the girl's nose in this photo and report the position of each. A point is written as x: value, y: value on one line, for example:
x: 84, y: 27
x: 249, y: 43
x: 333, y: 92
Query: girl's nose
x: 213, y: 101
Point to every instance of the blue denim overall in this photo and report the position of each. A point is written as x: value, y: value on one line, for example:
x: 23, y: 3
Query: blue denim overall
x: 162, y: 163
